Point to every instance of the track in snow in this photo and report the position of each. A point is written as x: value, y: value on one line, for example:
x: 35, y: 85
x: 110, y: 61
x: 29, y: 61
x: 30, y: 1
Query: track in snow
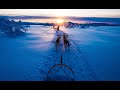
x: 74, y: 58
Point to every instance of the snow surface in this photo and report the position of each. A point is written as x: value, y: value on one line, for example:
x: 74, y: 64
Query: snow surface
x: 94, y: 54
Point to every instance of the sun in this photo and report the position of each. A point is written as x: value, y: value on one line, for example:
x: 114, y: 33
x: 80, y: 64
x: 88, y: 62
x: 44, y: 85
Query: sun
x: 59, y: 21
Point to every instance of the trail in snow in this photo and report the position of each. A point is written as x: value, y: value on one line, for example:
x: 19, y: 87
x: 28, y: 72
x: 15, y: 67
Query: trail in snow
x: 73, y: 57
x: 36, y: 53
x: 83, y: 70
x: 95, y: 50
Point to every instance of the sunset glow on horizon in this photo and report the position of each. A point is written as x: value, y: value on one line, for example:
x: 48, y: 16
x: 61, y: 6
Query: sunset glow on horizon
x: 59, y: 21
x: 63, y: 12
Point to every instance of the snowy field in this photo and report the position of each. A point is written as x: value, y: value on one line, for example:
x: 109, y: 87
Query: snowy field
x: 94, y: 54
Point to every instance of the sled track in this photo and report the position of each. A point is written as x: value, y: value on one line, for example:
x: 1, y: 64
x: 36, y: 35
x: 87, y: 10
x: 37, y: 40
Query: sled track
x: 81, y: 58
x: 75, y: 58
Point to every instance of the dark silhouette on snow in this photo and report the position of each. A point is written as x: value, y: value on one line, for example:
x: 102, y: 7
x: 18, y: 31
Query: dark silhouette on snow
x: 58, y: 28
x: 62, y: 38
x: 57, y: 43
x: 66, y: 42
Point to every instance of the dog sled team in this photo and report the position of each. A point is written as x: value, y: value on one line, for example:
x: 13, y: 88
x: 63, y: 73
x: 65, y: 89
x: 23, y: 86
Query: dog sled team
x: 61, y: 40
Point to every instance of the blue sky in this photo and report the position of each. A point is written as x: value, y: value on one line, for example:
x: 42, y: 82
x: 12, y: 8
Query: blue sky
x: 63, y: 12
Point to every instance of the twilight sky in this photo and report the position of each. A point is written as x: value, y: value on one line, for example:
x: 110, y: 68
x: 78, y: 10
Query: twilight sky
x: 63, y: 12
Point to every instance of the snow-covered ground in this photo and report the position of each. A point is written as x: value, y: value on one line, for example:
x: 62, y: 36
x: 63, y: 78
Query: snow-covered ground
x: 94, y: 54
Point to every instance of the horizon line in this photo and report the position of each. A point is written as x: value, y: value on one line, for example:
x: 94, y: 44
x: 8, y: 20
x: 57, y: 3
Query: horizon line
x: 52, y: 16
